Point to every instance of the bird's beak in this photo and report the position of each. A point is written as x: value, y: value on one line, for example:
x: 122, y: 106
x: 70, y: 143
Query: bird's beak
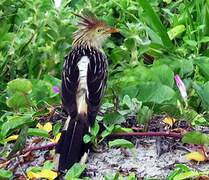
x: 112, y: 30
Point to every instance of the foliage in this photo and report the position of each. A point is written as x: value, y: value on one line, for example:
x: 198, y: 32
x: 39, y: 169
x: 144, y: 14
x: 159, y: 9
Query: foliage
x: 157, y: 40
x: 183, y: 172
x: 75, y: 171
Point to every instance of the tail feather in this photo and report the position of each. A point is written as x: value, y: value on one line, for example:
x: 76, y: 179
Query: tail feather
x: 71, y: 147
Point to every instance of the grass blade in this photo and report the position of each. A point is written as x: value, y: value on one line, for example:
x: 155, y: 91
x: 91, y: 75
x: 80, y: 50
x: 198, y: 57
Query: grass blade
x: 156, y: 23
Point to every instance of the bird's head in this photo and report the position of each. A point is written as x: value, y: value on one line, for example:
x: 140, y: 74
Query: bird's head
x: 92, y: 31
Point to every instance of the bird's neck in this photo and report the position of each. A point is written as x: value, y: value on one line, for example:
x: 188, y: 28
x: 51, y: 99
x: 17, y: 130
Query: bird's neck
x: 82, y: 39
x: 88, y: 43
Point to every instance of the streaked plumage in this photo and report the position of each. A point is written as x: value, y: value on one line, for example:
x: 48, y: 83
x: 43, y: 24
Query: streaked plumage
x: 84, y: 77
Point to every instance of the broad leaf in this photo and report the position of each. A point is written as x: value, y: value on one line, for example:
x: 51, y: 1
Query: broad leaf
x: 75, y: 171
x: 19, y: 85
x: 5, y: 174
x: 122, y: 143
x: 14, y: 123
x: 151, y: 92
x: 37, y: 132
x: 203, y: 92
x: 196, y: 137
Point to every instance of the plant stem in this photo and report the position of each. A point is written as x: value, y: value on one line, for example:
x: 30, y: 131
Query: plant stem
x: 39, y: 147
x: 170, y: 134
x: 26, y: 97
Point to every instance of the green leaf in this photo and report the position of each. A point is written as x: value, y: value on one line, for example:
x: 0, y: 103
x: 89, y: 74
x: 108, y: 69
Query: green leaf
x: 119, y: 129
x: 186, y: 175
x: 14, y: 123
x: 75, y: 171
x: 5, y: 174
x: 41, y: 113
x: 156, y: 23
x: 95, y: 129
x: 56, y: 128
x: 151, y: 92
x: 144, y: 115
x: 203, y: 64
x: 17, y: 100
x: 177, y: 30
x: 196, y: 137
x: 20, y: 143
x: 108, y: 131
x: 48, y: 165
x: 162, y: 74
x: 19, y: 85
x: 205, y: 39
x: 191, y: 43
x: 122, y: 143
x: 35, y: 169
x: 37, y: 132
x: 182, y: 167
x: 113, y: 118
x: 203, y: 92
x: 52, y: 80
x: 86, y: 138
x: 127, y: 101
x: 173, y: 174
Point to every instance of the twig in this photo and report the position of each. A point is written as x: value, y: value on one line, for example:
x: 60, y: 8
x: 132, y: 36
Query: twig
x: 23, y: 173
x: 39, y: 147
x: 170, y: 134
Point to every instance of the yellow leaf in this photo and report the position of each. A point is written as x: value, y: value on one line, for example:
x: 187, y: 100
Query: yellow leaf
x: 197, y: 156
x: 39, y: 126
x: 11, y: 138
x: 169, y: 120
x: 47, y: 174
x: 56, y: 138
x: 47, y: 127
x: 31, y: 175
x: 52, y: 151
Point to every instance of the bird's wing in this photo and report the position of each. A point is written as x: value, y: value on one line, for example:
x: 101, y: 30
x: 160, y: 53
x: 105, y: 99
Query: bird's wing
x: 96, y: 82
x: 70, y: 81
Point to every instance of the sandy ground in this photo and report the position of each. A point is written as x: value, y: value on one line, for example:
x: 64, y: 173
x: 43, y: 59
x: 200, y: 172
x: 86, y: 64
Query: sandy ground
x: 145, y: 164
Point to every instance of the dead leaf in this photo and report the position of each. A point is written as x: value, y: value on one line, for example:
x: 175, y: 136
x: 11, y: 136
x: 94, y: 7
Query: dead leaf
x: 196, y: 156
x: 37, y: 140
x: 138, y: 129
x: 29, y: 156
x: 47, y: 174
x: 56, y: 139
x: 5, y: 164
x: 47, y: 127
x: 22, y: 178
x: 180, y: 130
x: 203, y: 177
x: 169, y: 120
x: 11, y: 138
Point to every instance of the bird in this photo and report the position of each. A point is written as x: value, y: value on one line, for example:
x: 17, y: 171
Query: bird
x: 84, y: 78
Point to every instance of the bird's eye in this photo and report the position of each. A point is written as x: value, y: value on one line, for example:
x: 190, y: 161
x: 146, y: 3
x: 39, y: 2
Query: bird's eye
x: 99, y: 30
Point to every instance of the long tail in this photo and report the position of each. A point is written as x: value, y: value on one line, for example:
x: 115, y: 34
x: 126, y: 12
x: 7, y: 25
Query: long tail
x: 71, y: 148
